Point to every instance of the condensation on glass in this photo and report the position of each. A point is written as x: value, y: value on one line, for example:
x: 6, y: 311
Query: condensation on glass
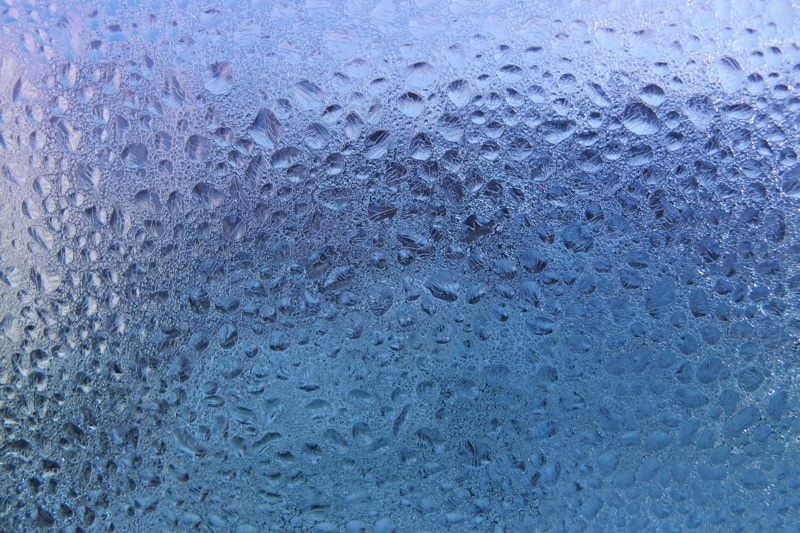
x: 399, y: 266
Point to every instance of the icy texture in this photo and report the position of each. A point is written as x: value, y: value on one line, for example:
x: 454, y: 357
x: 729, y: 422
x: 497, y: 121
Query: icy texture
x: 399, y: 266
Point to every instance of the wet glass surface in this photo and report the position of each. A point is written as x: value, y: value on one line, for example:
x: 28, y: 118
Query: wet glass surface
x: 399, y: 266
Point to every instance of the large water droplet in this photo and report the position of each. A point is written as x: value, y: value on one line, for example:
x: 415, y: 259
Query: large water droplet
x: 134, y: 155
x: 640, y: 119
x: 218, y: 78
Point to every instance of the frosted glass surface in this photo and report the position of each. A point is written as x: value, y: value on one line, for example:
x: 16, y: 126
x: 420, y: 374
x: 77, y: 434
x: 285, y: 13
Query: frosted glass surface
x: 362, y: 266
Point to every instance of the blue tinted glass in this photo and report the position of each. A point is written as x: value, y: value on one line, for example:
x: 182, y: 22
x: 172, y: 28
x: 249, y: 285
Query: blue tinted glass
x: 377, y: 266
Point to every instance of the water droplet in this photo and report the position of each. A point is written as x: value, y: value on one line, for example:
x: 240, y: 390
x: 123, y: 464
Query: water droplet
x: 308, y: 96
x: 266, y: 130
x: 420, y: 147
x: 510, y: 73
x: 730, y: 74
x: 23, y: 91
x: 173, y: 95
x: 597, y: 95
x: 459, y: 93
x: 285, y: 157
x: 376, y: 144
x: 700, y: 111
x: 451, y: 128
x: 134, y: 155
x: 653, y: 94
x: 67, y: 138
x: 640, y: 119
x: 316, y: 136
x: 197, y: 148
x: 443, y: 286
x: 218, y: 78
x: 420, y: 75
x: 207, y: 195
x: 411, y: 104
x: 148, y: 200
x: 380, y: 298
x: 556, y: 131
x: 790, y: 183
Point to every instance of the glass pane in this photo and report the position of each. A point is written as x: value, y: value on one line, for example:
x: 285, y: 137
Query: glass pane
x: 384, y: 266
